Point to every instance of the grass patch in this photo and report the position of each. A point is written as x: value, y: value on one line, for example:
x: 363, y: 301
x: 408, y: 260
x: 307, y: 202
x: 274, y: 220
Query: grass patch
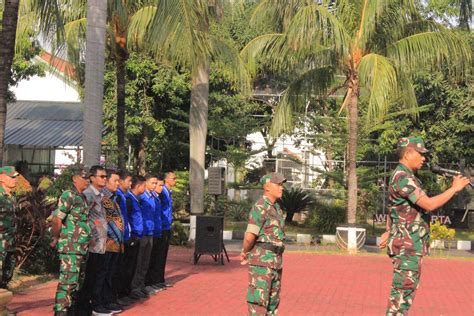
x: 464, y: 234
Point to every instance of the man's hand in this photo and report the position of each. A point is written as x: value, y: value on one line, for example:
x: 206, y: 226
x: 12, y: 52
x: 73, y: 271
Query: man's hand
x: 244, y: 257
x: 54, y: 242
x: 459, y: 182
x: 384, y: 240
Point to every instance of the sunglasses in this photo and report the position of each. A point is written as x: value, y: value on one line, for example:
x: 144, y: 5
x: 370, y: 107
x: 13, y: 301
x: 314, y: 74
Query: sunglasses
x: 102, y: 176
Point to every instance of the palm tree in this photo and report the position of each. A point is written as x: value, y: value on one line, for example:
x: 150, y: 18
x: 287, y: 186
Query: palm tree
x: 7, y: 52
x: 94, y: 80
x: 375, y: 45
x: 177, y: 31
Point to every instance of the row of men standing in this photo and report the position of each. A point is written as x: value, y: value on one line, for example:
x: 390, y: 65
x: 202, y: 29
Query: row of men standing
x: 112, y: 234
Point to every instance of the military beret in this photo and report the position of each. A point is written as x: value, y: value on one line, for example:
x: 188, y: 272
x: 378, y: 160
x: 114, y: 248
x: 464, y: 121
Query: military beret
x: 415, y: 142
x: 275, y: 177
x: 9, y: 171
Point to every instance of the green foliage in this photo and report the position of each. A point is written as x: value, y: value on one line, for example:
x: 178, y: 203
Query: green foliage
x: 180, y: 194
x: 439, y: 231
x: 179, y: 236
x: 157, y: 102
x: 237, y: 211
x: 324, y: 217
x: 296, y: 200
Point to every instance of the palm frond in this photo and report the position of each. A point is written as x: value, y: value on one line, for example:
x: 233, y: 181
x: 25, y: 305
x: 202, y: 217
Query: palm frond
x: 432, y: 50
x: 379, y: 76
x: 316, y: 24
x: 310, y: 85
x: 225, y: 54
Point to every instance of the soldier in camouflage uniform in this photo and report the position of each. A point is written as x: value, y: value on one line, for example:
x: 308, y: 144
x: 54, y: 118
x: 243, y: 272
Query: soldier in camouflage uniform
x: 263, y: 248
x: 7, y: 225
x: 71, y: 235
x: 408, y: 224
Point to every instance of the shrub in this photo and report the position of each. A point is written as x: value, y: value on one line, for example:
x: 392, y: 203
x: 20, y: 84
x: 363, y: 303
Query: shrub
x: 237, y: 211
x: 296, y: 200
x: 179, y: 235
x: 326, y: 216
x: 439, y: 231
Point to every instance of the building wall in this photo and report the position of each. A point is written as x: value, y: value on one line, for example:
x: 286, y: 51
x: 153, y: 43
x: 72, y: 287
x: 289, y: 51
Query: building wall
x: 48, y: 88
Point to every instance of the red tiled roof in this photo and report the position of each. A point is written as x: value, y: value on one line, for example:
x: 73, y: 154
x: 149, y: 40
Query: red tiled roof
x: 63, y: 66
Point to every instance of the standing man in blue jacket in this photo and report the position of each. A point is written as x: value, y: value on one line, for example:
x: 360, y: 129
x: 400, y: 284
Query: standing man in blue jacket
x: 153, y: 276
x: 125, y: 183
x: 146, y: 238
x: 167, y: 219
x: 131, y: 245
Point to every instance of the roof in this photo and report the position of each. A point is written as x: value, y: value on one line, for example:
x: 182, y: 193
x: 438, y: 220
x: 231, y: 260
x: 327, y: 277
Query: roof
x: 44, y: 123
x: 63, y: 66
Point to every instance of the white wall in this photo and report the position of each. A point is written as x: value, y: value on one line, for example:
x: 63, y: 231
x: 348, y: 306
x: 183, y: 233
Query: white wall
x: 48, y: 88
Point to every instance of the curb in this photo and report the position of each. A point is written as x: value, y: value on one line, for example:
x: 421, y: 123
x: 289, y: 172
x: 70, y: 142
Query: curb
x: 370, y: 240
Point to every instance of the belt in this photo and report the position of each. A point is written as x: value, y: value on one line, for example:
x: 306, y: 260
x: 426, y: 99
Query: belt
x: 273, y: 248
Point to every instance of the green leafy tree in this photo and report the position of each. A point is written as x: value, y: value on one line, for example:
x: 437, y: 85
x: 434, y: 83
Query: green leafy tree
x: 179, y: 32
x: 373, y: 45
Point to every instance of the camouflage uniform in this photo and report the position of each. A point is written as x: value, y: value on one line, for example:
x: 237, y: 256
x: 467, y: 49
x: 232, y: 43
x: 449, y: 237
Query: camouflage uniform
x: 7, y: 231
x: 409, y: 236
x: 72, y: 246
x: 265, y: 266
x: 7, y: 238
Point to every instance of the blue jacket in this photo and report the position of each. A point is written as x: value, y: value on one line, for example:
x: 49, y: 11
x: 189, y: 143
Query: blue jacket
x: 157, y: 217
x: 148, y: 213
x: 166, y: 208
x: 134, y: 213
x: 121, y: 200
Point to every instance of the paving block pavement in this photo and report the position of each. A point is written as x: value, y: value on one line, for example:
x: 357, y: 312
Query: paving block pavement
x: 313, y: 284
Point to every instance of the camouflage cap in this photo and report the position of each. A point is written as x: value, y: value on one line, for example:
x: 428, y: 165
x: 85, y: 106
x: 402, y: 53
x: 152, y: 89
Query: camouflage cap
x: 415, y: 142
x: 275, y: 177
x: 9, y: 171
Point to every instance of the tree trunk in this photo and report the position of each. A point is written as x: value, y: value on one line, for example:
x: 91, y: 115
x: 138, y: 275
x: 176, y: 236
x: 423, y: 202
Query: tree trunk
x: 141, y: 155
x: 197, y: 135
x: 94, y: 81
x: 352, y: 150
x: 121, y: 82
x: 7, y: 53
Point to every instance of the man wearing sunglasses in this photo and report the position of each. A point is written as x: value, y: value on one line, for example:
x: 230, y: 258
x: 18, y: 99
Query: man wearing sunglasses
x: 96, y: 259
x: 7, y: 224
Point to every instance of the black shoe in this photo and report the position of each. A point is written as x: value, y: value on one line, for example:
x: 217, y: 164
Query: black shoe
x: 126, y: 301
x: 61, y: 313
x: 101, y: 311
x: 138, y: 295
x: 158, y: 287
x: 114, y: 308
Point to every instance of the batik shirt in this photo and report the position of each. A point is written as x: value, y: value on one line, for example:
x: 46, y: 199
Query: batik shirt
x: 266, y: 222
x: 410, y: 230
x: 97, y: 219
x: 115, y: 227
x: 75, y: 232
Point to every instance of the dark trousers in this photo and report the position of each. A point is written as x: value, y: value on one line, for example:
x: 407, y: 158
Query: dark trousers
x: 127, y: 266
x: 108, y: 292
x: 143, y: 263
x: 163, y: 255
x: 153, y: 275
x: 94, y: 269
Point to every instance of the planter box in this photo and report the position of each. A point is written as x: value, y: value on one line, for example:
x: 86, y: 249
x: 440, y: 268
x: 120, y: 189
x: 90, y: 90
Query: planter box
x: 451, y: 244
x: 227, y: 235
x: 437, y: 244
x: 329, y: 239
x: 303, y: 239
x: 350, y: 238
x: 464, y: 245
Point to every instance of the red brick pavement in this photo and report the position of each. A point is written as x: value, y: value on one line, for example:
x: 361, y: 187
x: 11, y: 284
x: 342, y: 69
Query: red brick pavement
x: 313, y: 284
